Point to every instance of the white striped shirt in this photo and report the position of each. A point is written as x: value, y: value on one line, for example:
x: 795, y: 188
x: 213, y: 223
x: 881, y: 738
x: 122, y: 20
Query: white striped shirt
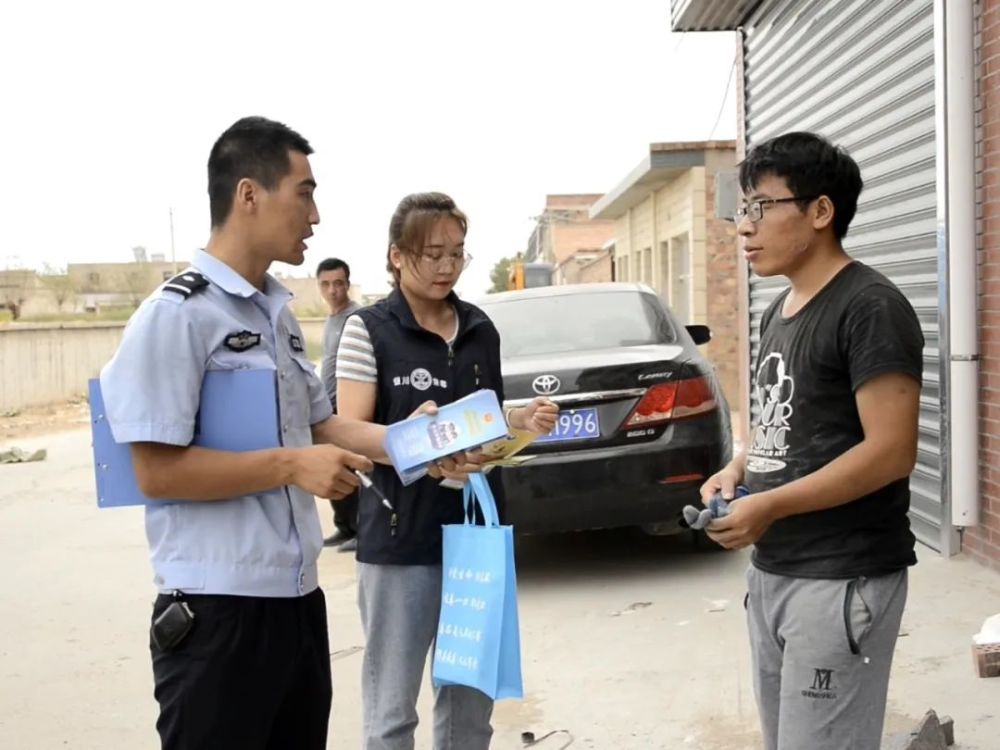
x: 355, y: 355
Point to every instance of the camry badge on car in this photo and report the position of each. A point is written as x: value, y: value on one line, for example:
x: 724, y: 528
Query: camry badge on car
x: 545, y: 385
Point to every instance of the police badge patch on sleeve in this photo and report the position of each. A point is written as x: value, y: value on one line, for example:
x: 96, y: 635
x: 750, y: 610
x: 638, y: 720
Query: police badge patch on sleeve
x: 240, y: 342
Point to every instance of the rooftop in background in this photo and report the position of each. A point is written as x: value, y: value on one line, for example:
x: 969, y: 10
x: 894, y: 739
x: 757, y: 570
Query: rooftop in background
x: 566, y: 227
x: 663, y: 163
x: 710, y: 15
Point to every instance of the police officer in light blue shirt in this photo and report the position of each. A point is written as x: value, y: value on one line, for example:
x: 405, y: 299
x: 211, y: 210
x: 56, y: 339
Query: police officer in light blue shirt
x: 239, y: 635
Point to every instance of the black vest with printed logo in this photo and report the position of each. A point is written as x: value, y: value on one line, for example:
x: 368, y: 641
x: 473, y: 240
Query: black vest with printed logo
x: 414, y: 366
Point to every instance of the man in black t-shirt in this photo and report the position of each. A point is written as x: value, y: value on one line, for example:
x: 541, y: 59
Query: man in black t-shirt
x: 837, y: 390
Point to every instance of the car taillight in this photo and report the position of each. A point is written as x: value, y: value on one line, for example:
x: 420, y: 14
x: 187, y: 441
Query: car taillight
x: 674, y: 400
x: 694, y: 396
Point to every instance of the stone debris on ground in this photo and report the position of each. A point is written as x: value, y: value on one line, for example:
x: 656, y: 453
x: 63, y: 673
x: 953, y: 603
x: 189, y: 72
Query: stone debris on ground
x: 634, y: 607
x: 931, y: 734
x: 21, y: 456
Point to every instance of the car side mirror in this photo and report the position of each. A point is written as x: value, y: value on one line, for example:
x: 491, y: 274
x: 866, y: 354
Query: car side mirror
x: 700, y: 334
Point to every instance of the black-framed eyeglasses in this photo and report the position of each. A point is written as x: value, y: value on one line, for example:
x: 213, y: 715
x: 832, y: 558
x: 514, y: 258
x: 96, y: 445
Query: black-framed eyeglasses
x: 754, y: 210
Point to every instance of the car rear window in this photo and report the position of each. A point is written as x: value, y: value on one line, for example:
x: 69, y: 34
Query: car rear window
x: 578, y: 322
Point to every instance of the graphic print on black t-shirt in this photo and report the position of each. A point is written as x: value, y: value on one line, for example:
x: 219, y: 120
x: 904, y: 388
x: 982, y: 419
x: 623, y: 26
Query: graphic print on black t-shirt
x: 773, y: 390
x: 859, y: 326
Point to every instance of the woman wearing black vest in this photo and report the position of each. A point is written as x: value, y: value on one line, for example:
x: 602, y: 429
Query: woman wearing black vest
x: 420, y: 344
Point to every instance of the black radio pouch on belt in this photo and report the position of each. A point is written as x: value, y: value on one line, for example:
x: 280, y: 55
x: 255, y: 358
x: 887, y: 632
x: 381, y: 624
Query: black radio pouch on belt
x: 173, y: 625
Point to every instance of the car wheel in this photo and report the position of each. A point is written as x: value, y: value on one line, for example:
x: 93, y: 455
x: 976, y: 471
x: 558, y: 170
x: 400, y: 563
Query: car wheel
x: 665, y: 528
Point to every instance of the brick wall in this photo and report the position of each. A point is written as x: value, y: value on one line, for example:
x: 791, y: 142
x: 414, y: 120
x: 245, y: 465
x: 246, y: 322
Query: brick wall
x: 585, y: 268
x: 571, y: 201
x: 566, y: 227
x: 721, y: 302
x: 597, y: 270
x: 983, y: 542
x: 584, y: 234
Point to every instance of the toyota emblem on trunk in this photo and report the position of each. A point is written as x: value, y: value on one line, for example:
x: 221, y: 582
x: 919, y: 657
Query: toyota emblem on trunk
x: 545, y: 385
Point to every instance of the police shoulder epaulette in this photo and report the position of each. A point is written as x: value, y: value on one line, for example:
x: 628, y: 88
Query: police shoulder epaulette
x: 186, y: 284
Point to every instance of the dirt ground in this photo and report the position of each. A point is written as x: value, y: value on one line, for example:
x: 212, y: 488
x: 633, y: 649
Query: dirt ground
x: 628, y: 642
x: 43, y: 420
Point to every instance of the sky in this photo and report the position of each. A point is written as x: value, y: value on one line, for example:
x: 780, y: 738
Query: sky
x: 110, y: 110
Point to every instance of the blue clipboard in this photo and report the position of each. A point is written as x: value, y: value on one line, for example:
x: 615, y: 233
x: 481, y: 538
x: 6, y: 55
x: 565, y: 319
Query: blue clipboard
x: 238, y: 412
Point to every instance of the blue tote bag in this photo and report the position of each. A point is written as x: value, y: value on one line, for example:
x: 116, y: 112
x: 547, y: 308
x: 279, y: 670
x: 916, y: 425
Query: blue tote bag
x: 478, y: 641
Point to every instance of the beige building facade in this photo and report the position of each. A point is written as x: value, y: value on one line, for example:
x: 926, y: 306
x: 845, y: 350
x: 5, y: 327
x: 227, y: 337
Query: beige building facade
x: 98, y: 285
x: 89, y: 287
x: 307, y: 302
x: 667, y: 236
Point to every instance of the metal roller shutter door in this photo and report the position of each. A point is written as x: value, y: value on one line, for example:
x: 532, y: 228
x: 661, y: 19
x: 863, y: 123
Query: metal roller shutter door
x: 862, y: 74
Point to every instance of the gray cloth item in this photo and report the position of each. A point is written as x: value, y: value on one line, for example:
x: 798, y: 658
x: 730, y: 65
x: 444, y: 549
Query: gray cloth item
x: 400, y: 605
x: 332, y: 332
x: 700, y: 517
x: 822, y: 651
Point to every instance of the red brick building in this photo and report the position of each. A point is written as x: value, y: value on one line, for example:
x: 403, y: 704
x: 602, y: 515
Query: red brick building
x: 564, y: 229
x: 983, y: 542
x: 912, y: 90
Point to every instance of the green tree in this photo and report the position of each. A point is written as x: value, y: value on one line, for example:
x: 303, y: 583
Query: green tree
x: 500, y: 275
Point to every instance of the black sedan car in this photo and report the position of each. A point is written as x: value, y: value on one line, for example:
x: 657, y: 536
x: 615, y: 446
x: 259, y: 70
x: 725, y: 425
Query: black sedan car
x: 643, y: 421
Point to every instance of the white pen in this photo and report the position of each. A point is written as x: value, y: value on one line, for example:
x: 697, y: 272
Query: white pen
x: 368, y: 484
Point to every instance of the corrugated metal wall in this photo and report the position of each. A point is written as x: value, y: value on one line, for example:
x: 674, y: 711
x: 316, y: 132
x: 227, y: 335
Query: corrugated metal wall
x: 862, y: 74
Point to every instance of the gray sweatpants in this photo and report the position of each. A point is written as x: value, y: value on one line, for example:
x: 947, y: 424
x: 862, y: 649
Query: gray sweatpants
x: 400, y: 605
x: 822, y: 651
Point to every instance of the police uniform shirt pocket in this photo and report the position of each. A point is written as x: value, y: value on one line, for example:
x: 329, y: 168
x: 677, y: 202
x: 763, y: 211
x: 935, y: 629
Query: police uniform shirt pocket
x: 297, y: 382
x: 256, y: 358
x: 307, y: 367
